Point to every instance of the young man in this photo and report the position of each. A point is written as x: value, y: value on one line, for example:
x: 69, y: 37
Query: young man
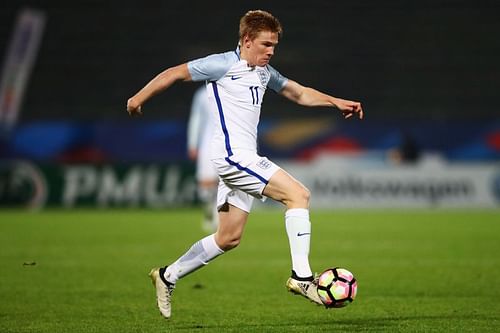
x: 199, y: 136
x: 236, y: 83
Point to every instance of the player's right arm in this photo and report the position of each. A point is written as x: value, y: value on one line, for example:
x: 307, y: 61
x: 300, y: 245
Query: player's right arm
x: 161, y: 82
x: 209, y: 68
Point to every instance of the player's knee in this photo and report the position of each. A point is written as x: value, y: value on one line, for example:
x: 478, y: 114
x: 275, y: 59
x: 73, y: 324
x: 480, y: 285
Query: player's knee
x: 306, y: 195
x: 301, y: 197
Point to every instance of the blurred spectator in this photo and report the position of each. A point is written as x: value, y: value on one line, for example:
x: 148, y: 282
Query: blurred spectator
x: 407, y: 152
x: 199, y: 133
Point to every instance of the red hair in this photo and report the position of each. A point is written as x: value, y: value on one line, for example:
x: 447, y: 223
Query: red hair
x: 255, y: 21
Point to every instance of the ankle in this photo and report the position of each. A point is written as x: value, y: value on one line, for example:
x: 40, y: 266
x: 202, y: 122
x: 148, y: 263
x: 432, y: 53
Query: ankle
x: 162, y: 277
x: 299, y: 278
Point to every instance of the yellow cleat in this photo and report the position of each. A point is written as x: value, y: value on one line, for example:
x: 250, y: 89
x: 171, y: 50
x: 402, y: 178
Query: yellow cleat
x: 164, y: 291
x: 308, y: 289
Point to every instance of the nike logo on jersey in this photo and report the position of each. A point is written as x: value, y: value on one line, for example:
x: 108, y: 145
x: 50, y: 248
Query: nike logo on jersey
x: 303, y: 234
x: 235, y: 77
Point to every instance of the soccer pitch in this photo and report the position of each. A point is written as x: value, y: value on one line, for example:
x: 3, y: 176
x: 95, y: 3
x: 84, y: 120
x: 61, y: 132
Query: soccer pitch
x: 86, y: 271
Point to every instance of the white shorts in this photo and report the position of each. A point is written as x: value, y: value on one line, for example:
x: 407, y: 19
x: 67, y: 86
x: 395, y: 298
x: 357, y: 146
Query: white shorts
x: 243, y: 176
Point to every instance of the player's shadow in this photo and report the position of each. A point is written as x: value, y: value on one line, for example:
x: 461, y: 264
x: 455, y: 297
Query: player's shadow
x: 388, y: 324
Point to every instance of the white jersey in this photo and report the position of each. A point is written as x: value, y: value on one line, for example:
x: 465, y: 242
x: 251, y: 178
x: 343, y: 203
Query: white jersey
x: 235, y: 92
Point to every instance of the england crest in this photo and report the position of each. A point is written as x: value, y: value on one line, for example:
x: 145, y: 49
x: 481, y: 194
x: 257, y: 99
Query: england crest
x: 264, y: 76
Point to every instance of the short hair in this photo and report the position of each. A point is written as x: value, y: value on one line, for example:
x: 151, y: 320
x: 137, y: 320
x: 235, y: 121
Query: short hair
x: 255, y: 21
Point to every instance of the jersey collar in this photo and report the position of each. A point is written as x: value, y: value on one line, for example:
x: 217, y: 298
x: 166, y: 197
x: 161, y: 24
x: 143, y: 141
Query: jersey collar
x: 238, y: 52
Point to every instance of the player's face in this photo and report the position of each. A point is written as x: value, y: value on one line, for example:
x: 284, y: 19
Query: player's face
x: 261, y: 48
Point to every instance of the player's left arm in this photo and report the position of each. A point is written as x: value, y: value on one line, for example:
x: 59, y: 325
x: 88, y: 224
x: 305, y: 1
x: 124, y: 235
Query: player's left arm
x: 311, y: 97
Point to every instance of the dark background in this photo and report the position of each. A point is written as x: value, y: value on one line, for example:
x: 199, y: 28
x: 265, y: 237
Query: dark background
x: 405, y: 59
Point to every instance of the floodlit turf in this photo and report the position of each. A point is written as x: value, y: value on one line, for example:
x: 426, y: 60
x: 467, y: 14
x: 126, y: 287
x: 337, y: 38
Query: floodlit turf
x: 86, y: 271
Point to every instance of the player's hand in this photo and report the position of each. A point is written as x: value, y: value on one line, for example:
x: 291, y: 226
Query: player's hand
x: 349, y: 108
x: 133, y: 108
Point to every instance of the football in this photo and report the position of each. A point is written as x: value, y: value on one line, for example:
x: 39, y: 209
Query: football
x: 337, y: 287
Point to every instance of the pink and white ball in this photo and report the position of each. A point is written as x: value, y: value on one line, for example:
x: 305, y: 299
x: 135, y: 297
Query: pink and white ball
x: 337, y: 287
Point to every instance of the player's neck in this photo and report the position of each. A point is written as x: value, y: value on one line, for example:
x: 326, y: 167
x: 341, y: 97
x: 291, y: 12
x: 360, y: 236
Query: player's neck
x: 245, y: 56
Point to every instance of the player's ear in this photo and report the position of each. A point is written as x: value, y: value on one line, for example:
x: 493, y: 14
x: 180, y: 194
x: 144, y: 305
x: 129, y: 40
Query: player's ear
x: 247, y: 41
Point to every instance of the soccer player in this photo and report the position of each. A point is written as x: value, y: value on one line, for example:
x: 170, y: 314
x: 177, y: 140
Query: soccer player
x: 199, y: 136
x: 236, y: 82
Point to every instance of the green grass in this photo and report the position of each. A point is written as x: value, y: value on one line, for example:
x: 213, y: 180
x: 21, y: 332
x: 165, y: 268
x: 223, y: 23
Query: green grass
x: 429, y: 271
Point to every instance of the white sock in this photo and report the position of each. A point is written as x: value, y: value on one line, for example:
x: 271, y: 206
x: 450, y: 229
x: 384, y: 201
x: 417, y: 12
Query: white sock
x: 298, y: 229
x: 199, y: 255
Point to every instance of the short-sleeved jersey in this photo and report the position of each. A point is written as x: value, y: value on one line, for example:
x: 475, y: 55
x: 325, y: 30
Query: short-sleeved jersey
x: 235, y: 92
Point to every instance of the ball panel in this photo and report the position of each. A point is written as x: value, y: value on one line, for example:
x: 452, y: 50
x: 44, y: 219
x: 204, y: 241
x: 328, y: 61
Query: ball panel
x: 323, y: 295
x: 340, y: 290
x: 354, y: 289
x: 344, y: 274
x: 326, y: 278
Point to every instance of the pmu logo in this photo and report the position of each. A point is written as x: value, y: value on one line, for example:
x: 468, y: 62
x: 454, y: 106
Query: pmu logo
x: 264, y: 164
